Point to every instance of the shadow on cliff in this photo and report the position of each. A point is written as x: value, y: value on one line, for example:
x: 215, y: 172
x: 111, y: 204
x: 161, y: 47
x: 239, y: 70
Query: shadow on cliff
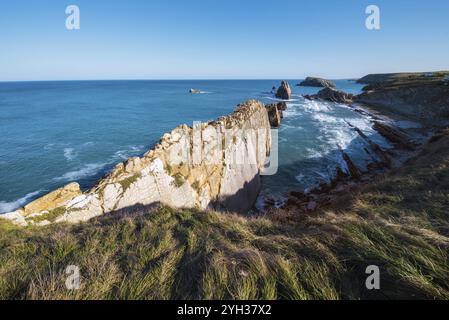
x: 239, y: 203
x: 243, y: 200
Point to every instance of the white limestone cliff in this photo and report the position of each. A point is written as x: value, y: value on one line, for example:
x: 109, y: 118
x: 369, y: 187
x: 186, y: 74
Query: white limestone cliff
x: 210, y: 165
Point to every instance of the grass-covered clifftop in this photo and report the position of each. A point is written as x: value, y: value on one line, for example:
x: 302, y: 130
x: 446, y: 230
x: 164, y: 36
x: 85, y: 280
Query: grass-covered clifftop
x: 399, y: 223
x: 402, y: 77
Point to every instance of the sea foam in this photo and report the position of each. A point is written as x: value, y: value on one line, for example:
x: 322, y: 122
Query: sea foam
x: 14, y: 205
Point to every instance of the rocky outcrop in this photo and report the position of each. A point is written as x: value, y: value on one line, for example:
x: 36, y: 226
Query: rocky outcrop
x: 395, y: 135
x: 384, y: 160
x: 275, y: 114
x: 423, y: 97
x: 210, y: 165
x: 332, y: 95
x: 317, y: 82
x: 284, y: 91
x: 354, y: 172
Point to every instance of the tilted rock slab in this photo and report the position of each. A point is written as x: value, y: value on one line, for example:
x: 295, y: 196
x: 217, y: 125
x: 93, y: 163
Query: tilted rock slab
x: 210, y: 165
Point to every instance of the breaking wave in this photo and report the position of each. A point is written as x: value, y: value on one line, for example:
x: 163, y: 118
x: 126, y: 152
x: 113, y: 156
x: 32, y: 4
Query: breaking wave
x: 88, y: 170
x: 14, y: 205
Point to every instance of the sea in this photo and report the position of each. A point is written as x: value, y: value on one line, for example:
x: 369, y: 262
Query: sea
x: 56, y: 132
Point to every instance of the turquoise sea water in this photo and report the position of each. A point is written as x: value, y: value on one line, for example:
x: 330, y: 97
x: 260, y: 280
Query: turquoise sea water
x: 52, y: 133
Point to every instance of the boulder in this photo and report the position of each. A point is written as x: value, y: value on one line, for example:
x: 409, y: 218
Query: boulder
x: 317, y: 82
x: 284, y: 91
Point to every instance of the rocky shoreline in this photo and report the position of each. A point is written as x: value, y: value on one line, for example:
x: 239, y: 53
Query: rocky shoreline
x: 351, y: 178
x: 152, y: 179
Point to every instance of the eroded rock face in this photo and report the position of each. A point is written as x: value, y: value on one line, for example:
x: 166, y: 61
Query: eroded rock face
x: 53, y: 200
x: 317, y: 82
x: 332, y: 95
x: 427, y: 103
x: 284, y: 91
x: 214, y: 164
x: 275, y: 113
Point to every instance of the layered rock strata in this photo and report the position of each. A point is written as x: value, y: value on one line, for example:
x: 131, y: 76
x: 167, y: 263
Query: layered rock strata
x: 209, y: 165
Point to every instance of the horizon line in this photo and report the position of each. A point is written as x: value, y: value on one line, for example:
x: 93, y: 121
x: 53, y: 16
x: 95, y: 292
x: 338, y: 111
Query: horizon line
x: 175, y: 79
x: 212, y: 79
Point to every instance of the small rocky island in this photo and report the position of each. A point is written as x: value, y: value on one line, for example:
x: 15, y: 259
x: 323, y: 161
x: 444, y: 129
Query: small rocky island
x: 316, y: 82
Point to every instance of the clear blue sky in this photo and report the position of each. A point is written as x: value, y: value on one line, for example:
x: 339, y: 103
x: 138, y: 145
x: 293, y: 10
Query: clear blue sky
x: 208, y: 39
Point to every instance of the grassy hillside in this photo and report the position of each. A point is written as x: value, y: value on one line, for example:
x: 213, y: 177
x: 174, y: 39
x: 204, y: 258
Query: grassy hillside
x: 399, y: 223
x: 403, y: 78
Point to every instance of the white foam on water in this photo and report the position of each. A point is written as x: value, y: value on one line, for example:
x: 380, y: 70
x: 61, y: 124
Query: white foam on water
x: 313, y: 153
x: 280, y: 100
x: 127, y: 153
x: 335, y: 131
x: 49, y: 146
x: 88, y: 170
x: 300, y: 177
x: 69, y: 154
x: 315, y: 106
x: 16, y: 204
x: 293, y: 110
x: 362, y: 123
x: 325, y: 118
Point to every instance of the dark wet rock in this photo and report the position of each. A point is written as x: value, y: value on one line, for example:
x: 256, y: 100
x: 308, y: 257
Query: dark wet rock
x: 317, y: 82
x: 331, y: 95
x: 353, y: 170
x: 385, y: 160
x: 275, y: 114
x: 282, y: 106
x: 284, y: 91
x: 394, y: 135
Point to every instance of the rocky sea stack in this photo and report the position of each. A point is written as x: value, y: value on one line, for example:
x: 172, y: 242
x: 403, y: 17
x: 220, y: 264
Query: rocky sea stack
x: 317, y: 82
x: 284, y: 91
x: 331, y: 95
x: 275, y: 113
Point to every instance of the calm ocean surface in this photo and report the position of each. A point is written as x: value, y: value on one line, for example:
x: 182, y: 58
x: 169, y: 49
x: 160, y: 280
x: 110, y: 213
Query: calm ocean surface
x: 52, y: 133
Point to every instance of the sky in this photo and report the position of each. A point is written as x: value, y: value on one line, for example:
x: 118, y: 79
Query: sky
x: 226, y: 39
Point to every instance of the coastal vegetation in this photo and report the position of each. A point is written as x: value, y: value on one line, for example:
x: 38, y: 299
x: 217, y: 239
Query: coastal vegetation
x: 398, y: 222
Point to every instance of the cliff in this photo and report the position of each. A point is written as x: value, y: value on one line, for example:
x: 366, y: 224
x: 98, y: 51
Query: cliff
x: 210, y: 165
x: 397, y: 222
x: 400, y: 76
x: 423, y: 96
